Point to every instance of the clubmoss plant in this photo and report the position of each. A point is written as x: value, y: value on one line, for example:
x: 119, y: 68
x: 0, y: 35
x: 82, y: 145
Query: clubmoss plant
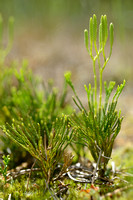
x: 29, y: 96
x: 21, y: 92
x: 47, y: 147
x: 98, y: 126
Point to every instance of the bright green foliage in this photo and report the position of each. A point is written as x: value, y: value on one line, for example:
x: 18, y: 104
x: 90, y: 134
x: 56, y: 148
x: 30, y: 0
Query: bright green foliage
x: 3, y: 170
x: 98, y: 126
x: 29, y: 96
x: 23, y: 93
x: 47, y: 147
x: 25, y: 96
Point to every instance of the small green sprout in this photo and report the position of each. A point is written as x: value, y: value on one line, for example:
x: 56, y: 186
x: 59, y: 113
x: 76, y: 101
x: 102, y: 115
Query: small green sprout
x: 3, y: 170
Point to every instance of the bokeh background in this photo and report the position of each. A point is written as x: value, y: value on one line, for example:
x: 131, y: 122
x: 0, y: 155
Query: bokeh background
x: 49, y: 33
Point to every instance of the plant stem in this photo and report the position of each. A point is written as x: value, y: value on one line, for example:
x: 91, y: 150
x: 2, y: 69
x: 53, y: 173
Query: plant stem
x: 100, y: 95
x: 95, y: 86
x: 98, y: 162
x: 104, y: 54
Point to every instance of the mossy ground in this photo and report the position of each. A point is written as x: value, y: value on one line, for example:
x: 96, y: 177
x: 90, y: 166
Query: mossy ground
x: 34, y: 187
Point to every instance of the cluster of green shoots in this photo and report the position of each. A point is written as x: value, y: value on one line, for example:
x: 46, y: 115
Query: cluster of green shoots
x: 47, y: 147
x: 98, y: 126
x: 25, y: 96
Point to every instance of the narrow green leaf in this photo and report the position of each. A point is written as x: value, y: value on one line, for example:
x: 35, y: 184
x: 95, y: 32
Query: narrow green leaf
x: 91, y: 34
x: 103, y: 29
x: 106, y: 28
x: 94, y: 28
x: 86, y: 39
x: 111, y: 30
x: 100, y: 36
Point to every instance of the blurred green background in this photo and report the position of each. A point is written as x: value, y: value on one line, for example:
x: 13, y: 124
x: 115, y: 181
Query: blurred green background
x: 51, y: 13
x: 47, y: 20
x: 49, y: 33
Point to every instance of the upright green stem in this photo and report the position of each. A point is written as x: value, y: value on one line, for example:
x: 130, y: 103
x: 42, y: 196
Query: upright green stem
x: 104, y: 54
x: 97, y: 55
x: 95, y: 87
x: 100, y: 95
